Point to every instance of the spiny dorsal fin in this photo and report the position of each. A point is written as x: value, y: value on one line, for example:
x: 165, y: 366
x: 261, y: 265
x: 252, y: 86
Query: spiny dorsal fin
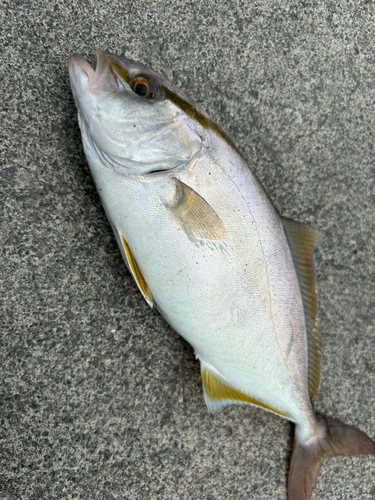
x: 302, y: 241
x: 218, y: 394
x: 135, y: 272
x: 195, y: 215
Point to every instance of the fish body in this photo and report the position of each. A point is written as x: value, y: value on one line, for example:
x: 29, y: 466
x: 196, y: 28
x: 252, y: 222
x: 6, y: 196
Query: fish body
x: 236, y: 299
x: 209, y: 251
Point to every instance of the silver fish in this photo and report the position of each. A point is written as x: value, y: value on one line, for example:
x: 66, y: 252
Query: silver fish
x: 209, y: 251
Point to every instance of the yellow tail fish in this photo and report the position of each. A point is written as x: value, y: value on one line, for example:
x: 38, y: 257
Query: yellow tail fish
x: 209, y: 251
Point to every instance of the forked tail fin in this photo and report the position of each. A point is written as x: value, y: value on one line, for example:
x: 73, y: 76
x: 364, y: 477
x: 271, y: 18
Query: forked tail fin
x: 337, y: 439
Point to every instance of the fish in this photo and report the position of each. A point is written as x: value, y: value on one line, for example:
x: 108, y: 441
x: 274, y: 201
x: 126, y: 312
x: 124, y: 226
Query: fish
x: 209, y: 251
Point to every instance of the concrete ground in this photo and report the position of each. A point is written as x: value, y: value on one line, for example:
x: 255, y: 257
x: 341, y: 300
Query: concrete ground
x: 100, y: 399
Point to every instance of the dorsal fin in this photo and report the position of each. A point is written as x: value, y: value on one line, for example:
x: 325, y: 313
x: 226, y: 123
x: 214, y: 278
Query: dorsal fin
x: 135, y: 272
x: 302, y: 241
x: 218, y: 394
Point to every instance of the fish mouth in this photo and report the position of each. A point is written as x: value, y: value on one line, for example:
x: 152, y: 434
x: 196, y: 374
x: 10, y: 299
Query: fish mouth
x: 77, y: 62
x: 103, y: 79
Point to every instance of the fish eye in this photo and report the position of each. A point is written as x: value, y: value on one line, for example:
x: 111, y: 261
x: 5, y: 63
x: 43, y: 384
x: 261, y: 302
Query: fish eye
x: 144, y: 86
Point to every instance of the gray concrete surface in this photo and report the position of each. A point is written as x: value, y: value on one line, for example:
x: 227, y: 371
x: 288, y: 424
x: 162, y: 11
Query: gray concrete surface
x: 100, y: 399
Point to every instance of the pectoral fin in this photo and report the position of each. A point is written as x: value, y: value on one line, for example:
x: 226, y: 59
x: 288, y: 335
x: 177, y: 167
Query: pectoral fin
x: 195, y: 216
x: 135, y: 272
x: 218, y: 394
x: 302, y: 241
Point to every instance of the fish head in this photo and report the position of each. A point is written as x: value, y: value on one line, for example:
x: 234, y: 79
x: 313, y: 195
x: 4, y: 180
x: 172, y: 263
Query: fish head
x: 131, y: 118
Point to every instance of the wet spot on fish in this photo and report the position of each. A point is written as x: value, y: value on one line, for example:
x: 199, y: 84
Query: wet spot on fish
x: 290, y: 343
x: 235, y: 313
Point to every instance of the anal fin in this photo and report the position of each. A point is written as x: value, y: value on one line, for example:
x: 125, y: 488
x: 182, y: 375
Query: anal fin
x: 218, y: 394
x: 135, y: 272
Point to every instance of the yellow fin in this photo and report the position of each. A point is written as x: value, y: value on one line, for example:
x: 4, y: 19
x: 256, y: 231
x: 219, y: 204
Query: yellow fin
x: 218, y: 394
x: 195, y: 215
x: 136, y: 273
x: 302, y: 241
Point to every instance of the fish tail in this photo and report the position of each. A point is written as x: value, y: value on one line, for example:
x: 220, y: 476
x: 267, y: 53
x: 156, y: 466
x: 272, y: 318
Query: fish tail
x: 335, y: 439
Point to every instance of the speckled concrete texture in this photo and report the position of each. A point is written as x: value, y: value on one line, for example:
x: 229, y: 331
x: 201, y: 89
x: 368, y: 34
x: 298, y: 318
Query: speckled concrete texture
x: 100, y: 399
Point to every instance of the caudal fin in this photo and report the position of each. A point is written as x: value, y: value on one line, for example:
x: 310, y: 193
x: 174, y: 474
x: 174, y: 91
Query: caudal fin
x: 337, y: 439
